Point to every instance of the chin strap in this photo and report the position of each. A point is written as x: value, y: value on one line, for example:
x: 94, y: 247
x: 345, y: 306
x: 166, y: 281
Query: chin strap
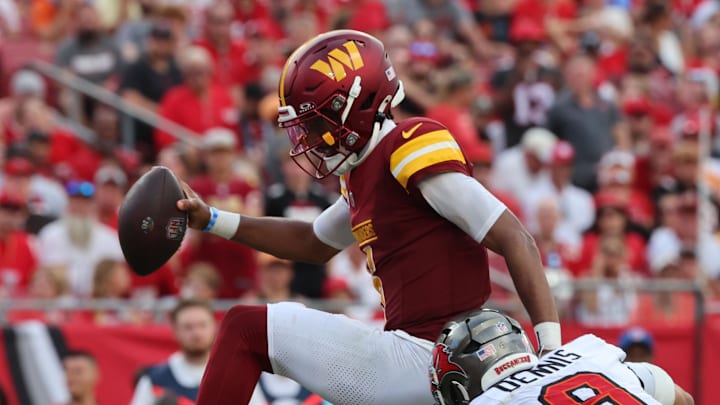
x: 377, y: 133
x: 353, y: 94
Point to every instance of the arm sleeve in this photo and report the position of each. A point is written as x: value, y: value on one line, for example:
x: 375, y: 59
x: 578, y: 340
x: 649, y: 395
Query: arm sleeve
x: 474, y: 210
x: 655, y: 381
x: 332, y: 226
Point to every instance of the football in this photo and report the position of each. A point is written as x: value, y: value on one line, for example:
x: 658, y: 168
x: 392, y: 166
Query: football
x: 150, y: 226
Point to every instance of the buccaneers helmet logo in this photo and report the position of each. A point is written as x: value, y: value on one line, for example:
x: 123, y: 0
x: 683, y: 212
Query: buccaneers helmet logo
x: 442, y: 366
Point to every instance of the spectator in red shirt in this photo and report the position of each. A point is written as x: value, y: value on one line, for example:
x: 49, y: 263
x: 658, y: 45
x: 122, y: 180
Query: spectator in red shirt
x: 611, y: 222
x: 232, y: 69
x: 197, y: 104
x: 616, y: 173
x: 224, y: 189
x: 17, y: 254
x: 454, y: 110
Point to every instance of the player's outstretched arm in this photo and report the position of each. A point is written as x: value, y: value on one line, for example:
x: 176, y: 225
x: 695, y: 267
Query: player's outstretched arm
x: 509, y: 238
x: 281, y: 237
x: 485, y: 219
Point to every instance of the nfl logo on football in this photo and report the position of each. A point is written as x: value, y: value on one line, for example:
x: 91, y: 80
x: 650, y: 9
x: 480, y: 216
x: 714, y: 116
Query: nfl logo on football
x: 173, y: 230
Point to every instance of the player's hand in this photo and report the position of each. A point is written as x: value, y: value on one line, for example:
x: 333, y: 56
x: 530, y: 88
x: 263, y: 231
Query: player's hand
x: 198, y: 212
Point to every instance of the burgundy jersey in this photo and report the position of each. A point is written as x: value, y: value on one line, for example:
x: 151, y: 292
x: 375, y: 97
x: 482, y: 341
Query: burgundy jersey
x: 426, y: 269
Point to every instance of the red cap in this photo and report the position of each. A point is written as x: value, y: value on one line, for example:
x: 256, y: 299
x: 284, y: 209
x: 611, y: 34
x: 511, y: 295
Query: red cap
x: 480, y: 152
x: 661, y: 136
x: 609, y: 199
x: 10, y: 199
x: 563, y: 153
x: 637, y: 106
x: 19, y: 166
x: 527, y: 29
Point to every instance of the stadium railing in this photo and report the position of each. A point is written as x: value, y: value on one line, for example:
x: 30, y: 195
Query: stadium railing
x: 80, y: 86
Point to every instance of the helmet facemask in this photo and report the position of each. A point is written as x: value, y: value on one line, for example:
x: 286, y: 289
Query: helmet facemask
x: 320, y: 134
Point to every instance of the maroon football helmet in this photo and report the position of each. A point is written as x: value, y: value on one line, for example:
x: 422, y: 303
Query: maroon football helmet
x: 335, y: 91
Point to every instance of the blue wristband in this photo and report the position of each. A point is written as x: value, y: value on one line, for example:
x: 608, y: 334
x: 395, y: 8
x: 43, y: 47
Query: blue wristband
x: 213, y: 219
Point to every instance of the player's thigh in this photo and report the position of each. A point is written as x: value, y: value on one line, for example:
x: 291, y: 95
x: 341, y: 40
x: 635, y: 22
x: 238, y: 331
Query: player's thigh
x: 345, y: 361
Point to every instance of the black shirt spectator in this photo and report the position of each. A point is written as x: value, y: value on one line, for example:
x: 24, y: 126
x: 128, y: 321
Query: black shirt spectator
x: 298, y: 197
x: 147, y: 80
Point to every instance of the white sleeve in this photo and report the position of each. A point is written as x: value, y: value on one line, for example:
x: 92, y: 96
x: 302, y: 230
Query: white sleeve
x: 655, y: 381
x: 332, y: 226
x: 463, y: 201
x: 143, y: 392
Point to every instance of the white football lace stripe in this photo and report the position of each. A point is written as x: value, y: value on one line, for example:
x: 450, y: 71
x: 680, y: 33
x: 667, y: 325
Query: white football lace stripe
x: 424, y: 151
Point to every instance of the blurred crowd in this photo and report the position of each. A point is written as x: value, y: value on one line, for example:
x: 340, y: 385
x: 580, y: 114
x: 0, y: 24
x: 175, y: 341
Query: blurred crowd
x: 594, y: 121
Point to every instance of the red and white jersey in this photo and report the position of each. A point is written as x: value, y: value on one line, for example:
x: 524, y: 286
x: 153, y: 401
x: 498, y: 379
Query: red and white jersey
x: 586, y: 370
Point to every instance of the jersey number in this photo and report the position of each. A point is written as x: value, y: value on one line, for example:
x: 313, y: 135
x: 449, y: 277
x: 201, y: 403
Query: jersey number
x: 377, y: 283
x: 586, y: 388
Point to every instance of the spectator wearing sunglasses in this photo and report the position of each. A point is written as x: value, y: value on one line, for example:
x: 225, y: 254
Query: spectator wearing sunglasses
x: 78, y: 240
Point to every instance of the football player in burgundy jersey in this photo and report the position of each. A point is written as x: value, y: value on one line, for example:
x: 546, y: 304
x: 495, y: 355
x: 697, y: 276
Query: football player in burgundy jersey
x: 410, y: 202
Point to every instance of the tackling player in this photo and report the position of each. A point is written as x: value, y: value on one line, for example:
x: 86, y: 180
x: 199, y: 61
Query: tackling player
x: 408, y: 199
x: 486, y: 355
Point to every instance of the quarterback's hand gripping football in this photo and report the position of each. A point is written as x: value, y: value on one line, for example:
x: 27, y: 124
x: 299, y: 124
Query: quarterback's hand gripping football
x: 198, y: 212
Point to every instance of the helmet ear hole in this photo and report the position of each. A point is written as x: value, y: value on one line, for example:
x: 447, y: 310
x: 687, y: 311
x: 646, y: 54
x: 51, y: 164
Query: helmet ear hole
x: 472, y: 347
x: 368, y: 101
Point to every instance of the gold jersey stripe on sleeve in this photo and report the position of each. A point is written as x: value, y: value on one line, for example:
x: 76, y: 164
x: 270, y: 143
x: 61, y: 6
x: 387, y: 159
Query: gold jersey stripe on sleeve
x: 423, y: 151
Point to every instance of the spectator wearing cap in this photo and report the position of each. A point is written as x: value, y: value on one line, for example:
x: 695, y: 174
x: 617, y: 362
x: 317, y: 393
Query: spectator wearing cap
x: 149, y: 78
x: 611, y: 220
x: 668, y: 242
x: 638, y: 345
x: 685, y: 169
x: 18, y: 258
x: 637, y: 111
x: 577, y: 210
x: 78, y: 240
x: 525, y: 90
x: 45, y: 197
x: 24, y: 84
x: 90, y: 54
x: 198, y: 104
x: 582, y: 118
x: 225, y: 189
x: 527, y: 161
x: 297, y: 196
x: 655, y: 167
x: 616, y: 174
x: 110, y: 185
x: 420, y: 72
x: 481, y: 157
